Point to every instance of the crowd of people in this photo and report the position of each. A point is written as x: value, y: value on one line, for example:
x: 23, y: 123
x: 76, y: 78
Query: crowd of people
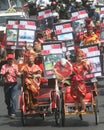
x: 29, y: 63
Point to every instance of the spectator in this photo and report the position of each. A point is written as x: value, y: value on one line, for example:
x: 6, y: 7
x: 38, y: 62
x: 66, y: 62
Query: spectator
x: 10, y: 72
x: 95, y: 16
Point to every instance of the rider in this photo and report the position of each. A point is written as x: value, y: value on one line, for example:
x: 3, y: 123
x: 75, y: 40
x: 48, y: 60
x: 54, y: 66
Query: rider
x: 31, y: 75
x: 77, y: 79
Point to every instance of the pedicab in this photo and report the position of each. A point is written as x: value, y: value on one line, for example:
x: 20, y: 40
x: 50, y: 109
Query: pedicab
x: 68, y: 103
x: 48, y: 101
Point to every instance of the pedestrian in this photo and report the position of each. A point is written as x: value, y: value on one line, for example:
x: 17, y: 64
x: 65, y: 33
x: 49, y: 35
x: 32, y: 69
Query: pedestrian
x: 9, y: 72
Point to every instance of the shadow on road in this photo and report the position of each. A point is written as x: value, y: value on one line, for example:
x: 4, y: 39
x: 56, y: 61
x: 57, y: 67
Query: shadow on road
x: 49, y: 121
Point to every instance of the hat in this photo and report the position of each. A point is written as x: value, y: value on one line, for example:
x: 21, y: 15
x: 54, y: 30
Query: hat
x: 89, y: 27
x: 63, y: 61
x: 80, y: 52
x: 10, y: 56
x: 88, y: 20
x: 92, y: 7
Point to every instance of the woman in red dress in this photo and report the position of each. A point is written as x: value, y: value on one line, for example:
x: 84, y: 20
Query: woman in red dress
x: 78, y: 86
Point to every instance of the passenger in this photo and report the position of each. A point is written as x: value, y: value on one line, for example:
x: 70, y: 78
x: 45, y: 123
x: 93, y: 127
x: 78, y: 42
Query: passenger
x: 31, y: 75
x: 77, y: 79
x: 90, y: 38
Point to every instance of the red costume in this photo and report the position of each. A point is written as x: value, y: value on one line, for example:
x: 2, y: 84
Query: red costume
x: 78, y: 86
x: 31, y: 85
x: 90, y: 38
x: 63, y: 72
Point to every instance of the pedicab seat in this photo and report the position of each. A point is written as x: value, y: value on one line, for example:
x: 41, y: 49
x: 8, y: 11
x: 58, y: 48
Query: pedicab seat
x: 44, y: 95
x: 69, y: 98
x: 47, y: 85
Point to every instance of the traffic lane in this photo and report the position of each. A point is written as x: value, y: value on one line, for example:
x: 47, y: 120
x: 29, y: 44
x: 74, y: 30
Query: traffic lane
x: 72, y: 122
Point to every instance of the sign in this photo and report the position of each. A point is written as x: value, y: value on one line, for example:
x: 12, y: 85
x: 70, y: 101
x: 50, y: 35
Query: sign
x: 52, y: 52
x: 79, y: 15
x: 64, y: 32
x: 45, y: 19
x: 93, y: 55
x: 46, y: 13
x: 11, y: 33
x: 19, y: 32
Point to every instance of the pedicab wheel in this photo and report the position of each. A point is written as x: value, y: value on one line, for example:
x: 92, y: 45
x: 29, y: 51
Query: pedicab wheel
x: 96, y: 111
x: 80, y: 116
x: 23, y: 118
x: 59, y: 111
x: 62, y: 110
x: 43, y: 116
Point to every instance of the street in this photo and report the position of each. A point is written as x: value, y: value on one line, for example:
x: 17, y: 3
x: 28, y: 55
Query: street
x: 71, y: 122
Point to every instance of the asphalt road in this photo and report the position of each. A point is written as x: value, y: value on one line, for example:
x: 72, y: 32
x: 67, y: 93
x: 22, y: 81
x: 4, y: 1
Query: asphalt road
x: 71, y: 122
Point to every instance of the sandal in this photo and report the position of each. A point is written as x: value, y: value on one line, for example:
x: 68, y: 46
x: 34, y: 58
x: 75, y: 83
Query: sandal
x: 76, y: 111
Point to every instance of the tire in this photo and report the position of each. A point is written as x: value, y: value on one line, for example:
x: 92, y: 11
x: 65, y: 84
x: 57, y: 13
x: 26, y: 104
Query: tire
x: 62, y: 110
x: 80, y: 116
x: 59, y: 112
x: 23, y: 118
x: 96, y: 111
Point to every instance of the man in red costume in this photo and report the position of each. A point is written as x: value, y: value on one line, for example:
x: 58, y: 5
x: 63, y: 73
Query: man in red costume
x: 31, y: 86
